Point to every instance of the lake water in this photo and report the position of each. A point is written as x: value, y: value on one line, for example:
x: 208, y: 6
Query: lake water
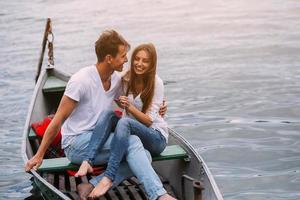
x: 232, y: 70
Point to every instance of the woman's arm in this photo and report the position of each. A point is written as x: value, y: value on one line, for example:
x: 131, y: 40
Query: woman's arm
x: 140, y: 116
x: 153, y: 111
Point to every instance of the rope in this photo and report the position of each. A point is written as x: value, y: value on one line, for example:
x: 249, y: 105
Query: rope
x: 50, y: 40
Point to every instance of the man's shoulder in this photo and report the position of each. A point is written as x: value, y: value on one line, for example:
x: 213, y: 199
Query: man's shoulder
x: 84, y: 71
x: 82, y: 74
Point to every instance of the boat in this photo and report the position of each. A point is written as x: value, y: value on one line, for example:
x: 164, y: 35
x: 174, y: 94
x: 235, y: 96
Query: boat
x: 183, y: 172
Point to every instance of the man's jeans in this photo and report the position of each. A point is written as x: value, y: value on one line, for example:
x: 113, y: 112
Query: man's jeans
x: 135, y: 153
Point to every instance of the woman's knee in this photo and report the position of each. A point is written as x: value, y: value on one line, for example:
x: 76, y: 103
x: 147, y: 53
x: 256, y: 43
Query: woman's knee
x: 124, y: 123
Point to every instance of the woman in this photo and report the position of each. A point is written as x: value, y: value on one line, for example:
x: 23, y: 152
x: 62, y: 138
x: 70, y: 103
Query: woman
x: 144, y: 93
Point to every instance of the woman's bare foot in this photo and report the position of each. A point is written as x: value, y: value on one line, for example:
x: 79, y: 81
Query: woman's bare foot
x: 84, y: 189
x: 166, y: 197
x: 85, y: 168
x: 101, y: 188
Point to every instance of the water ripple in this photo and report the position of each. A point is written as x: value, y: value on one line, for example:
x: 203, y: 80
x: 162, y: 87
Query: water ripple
x: 231, y: 72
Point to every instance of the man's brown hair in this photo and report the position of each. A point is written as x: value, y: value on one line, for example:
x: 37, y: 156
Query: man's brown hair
x: 108, y: 44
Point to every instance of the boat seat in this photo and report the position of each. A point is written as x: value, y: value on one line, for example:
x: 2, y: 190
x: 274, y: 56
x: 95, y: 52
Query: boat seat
x: 61, y: 164
x: 32, y: 134
x: 54, y: 84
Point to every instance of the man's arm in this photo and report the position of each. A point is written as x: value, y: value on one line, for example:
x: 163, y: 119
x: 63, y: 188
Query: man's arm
x: 65, y: 108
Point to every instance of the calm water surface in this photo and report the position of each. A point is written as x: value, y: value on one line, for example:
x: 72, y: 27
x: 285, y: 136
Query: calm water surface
x: 232, y: 70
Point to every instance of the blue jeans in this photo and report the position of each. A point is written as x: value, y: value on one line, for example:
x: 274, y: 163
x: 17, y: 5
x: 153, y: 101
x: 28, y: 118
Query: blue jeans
x: 152, y: 140
x: 135, y: 153
x: 105, y: 125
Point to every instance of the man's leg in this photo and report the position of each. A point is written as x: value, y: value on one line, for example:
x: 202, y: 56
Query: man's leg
x: 106, y: 123
x: 76, y: 153
x: 104, y: 126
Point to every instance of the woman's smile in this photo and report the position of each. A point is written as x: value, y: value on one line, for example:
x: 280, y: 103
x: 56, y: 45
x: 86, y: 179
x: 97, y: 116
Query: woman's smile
x: 141, y: 62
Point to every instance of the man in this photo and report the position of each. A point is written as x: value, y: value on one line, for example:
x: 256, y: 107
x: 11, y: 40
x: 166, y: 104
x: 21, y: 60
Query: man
x: 88, y: 93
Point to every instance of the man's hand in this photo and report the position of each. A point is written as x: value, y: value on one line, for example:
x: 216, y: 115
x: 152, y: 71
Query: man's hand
x: 163, y: 109
x: 34, y: 163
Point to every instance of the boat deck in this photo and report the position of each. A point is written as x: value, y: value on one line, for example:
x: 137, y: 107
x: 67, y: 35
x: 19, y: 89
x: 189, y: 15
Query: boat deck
x: 54, y: 171
x: 129, y: 189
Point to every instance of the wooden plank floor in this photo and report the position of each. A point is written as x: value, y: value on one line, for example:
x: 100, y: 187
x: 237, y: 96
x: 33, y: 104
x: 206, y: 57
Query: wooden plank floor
x: 129, y: 189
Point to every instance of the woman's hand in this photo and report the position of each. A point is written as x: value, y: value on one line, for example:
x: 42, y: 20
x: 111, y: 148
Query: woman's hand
x: 123, y: 102
x: 118, y: 102
x: 163, y: 109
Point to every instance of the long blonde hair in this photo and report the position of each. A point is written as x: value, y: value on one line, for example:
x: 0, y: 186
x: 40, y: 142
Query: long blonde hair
x: 149, y: 79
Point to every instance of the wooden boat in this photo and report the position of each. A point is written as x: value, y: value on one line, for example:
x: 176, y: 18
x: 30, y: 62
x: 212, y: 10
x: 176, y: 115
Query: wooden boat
x: 182, y: 171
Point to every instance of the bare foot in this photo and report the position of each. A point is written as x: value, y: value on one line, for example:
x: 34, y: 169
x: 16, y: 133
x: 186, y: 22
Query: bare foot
x: 84, y: 189
x: 101, y: 188
x: 85, y: 168
x: 166, y: 197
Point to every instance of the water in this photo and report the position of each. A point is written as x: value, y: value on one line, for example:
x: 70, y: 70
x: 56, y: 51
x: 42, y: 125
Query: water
x: 232, y: 70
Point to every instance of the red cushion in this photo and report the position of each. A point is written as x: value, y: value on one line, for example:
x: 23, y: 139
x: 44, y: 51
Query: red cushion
x: 39, y: 128
x: 96, y: 171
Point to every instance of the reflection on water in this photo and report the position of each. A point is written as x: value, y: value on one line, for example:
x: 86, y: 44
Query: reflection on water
x: 35, y: 193
x: 231, y: 71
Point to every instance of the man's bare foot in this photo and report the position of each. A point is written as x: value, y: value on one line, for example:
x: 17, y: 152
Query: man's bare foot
x: 85, y: 168
x: 101, y: 188
x: 166, y: 197
x: 84, y: 189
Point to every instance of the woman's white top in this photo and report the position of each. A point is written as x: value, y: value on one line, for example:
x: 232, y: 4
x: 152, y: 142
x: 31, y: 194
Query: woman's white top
x: 153, y: 112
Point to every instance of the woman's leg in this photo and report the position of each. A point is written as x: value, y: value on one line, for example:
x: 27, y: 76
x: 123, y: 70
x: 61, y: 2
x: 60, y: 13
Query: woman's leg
x: 135, y: 153
x: 152, y: 140
x: 118, y: 148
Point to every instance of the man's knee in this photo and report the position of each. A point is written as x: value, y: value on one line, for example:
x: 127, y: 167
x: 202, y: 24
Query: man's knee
x: 105, y: 115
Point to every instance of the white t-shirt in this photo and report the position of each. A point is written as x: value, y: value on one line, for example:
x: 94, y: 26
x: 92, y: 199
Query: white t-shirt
x: 86, y: 88
x: 158, y: 122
